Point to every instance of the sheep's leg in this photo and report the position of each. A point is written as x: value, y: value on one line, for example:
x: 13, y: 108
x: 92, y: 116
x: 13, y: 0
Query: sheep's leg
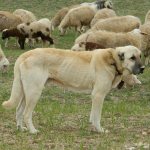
x: 21, y: 42
x: 62, y: 31
x: 79, y: 29
x: 6, y: 42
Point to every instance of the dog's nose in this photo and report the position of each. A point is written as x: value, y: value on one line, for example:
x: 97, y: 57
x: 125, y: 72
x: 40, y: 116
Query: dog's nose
x: 142, y: 69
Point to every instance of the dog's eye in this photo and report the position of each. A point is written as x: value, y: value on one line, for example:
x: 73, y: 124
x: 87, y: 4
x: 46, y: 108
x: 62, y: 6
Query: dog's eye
x: 133, y: 58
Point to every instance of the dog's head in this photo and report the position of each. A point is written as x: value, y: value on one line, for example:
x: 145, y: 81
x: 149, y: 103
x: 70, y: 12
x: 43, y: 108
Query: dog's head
x: 130, y: 58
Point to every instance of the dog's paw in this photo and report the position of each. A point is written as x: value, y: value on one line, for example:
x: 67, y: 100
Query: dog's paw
x: 21, y: 128
x: 99, y: 130
x: 34, y: 131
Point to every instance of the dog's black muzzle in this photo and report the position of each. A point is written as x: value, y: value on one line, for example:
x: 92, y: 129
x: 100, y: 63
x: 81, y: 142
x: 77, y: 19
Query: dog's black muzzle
x: 138, y: 68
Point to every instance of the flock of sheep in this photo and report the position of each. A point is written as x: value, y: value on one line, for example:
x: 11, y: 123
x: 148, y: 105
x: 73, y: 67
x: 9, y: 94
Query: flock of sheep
x: 97, y: 22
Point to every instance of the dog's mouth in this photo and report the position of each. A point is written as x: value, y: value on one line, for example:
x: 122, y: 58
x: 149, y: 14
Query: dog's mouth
x: 138, y: 70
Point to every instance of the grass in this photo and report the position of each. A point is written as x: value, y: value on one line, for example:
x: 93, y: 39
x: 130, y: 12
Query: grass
x: 62, y: 117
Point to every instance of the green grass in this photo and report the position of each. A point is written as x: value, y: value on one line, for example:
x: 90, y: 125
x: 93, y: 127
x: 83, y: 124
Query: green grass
x: 62, y: 117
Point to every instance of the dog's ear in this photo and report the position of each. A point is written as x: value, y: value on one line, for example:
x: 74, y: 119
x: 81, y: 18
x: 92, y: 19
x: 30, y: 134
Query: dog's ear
x: 121, y: 56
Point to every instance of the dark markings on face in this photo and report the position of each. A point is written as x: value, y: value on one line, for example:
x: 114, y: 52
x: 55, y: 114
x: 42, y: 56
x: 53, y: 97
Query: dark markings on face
x: 47, y: 29
x: 137, y: 68
x: 121, y: 56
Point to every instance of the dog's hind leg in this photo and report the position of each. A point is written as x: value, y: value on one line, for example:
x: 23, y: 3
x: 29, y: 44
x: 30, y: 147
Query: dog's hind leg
x: 19, y: 115
x: 33, y: 84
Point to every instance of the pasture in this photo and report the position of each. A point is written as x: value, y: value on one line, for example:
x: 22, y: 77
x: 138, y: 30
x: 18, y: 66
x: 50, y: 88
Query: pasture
x: 62, y: 116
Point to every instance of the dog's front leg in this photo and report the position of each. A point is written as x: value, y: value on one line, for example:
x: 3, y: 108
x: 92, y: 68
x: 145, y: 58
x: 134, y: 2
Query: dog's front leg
x: 97, y: 104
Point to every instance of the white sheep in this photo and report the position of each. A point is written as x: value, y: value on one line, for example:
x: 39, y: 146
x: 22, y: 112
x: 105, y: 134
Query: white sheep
x: 77, y: 17
x: 7, y: 21
x: 147, y: 52
x: 118, y: 24
x: 138, y: 37
x: 56, y: 20
x: 3, y: 61
x: 103, y: 14
x: 43, y: 25
x: 100, y: 4
x: 25, y: 15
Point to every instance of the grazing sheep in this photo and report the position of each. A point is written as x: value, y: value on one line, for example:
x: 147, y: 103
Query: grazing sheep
x: 100, y: 4
x: 147, y: 52
x: 21, y: 36
x: 26, y: 16
x: 42, y: 25
x: 3, y: 60
x: 14, y: 32
x: 103, y: 14
x: 138, y: 38
x: 7, y: 21
x: 118, y: 24
x: 145, y: 28
x: 77, y: 18
x: 56, y: 20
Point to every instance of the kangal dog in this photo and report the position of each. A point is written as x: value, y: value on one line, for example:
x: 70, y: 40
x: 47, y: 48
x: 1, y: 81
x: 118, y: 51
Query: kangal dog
x: 96, y: 72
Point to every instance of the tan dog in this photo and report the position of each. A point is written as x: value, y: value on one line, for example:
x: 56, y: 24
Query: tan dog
x: 86, y: 71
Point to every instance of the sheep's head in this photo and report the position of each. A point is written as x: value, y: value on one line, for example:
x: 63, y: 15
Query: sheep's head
x: 5, y: 34
x: 104, y: 4
x: 24, y: 28
x: 108, y: 4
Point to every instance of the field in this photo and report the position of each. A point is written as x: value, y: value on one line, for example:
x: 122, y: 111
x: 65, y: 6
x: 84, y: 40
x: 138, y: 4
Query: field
x: 62, y: 117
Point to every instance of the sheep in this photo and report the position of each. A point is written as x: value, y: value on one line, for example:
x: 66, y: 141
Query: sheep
x: 145, y: 28
x: 14, y: 32
x: 3, y: 61
x: 102, y: 14
x: 118, y: 24
x: 7, y: 21
x: 147, y: 52
x: 100, y: 4
x: 138, y: 38
x: 43, y: 25
x: 56, y: 20
x: 26, y: 16
x: 77, y: 17
x: 58, y: 17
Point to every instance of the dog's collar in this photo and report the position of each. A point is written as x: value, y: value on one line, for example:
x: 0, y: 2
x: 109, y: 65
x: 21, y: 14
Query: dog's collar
x: 118, y: 72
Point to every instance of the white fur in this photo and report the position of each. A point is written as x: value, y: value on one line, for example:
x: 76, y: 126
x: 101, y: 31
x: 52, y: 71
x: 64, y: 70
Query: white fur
x: 95, y: 74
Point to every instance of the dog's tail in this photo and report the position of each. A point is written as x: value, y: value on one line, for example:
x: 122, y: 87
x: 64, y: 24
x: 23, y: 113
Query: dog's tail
x: 17, y: 92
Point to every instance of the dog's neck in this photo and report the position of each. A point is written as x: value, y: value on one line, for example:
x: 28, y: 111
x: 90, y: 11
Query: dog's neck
x: 118, y: 72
